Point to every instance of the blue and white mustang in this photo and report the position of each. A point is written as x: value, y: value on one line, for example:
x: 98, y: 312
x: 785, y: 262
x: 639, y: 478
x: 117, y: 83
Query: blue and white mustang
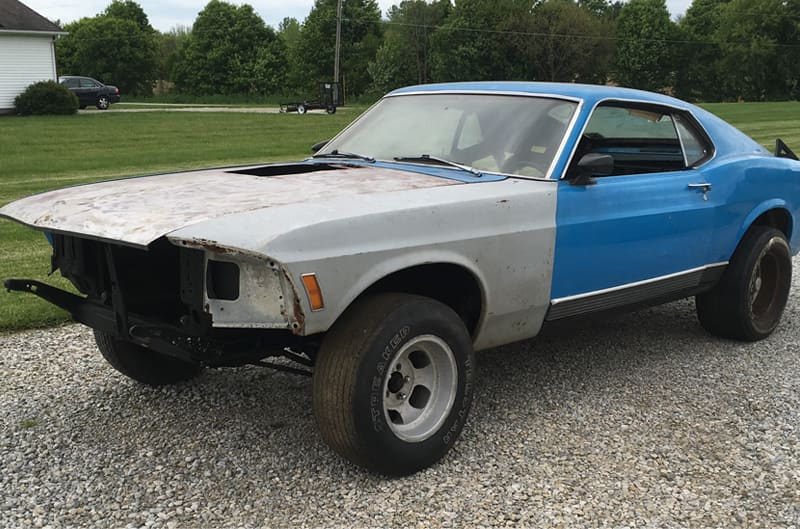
x: 446, y: 219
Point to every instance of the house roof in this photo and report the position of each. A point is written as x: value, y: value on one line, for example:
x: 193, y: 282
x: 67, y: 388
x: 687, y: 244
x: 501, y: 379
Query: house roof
x: 16, y: 16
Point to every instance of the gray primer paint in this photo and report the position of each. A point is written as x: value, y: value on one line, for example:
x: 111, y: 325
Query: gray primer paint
x: 502, y: 232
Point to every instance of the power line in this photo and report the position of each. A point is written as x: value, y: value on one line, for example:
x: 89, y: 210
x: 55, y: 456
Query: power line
x: 575, y: 35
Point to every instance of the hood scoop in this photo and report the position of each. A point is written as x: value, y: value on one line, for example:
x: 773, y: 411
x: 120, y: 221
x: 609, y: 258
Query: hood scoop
x: 284, y: 169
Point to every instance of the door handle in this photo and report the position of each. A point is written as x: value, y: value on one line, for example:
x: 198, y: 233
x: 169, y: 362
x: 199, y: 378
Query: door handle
x: 704, y: 186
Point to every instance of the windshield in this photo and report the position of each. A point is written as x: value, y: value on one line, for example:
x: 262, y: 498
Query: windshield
x: 494, y: 133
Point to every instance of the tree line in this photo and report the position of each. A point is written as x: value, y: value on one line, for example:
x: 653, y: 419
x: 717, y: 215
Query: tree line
x: 720, y: 50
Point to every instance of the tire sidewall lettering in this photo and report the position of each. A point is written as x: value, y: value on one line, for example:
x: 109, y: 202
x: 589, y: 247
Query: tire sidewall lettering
x: 376, y: 386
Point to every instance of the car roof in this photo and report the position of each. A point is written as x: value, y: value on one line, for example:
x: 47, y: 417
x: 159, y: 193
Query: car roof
x: 725, y: 137
x: 586, y: 92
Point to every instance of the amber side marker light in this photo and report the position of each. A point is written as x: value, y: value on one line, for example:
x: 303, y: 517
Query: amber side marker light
x: 313, y: 291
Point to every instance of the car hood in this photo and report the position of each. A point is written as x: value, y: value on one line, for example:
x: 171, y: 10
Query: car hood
x: 137, y: 211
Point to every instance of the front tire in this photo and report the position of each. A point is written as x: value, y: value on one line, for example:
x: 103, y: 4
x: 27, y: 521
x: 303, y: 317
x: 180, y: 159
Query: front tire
x: 301, y: 109
x: 142, y: 364
x: 393, y: 383
x: 748, y: 302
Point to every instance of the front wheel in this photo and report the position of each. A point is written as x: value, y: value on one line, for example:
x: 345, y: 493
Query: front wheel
x: 142, y: 364
x: 748, y: 302
x: 301, y: 109
x: 393, y: 383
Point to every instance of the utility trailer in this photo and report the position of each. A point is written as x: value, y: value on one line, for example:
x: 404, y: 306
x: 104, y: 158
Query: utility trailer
x: 330, y: 97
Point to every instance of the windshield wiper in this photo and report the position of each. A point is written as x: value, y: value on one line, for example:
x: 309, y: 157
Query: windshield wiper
x: 427, y: 158
x: 337, y: 154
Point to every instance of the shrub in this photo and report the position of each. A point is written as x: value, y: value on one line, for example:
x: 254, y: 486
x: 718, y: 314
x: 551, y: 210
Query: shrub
x: 46, y: 97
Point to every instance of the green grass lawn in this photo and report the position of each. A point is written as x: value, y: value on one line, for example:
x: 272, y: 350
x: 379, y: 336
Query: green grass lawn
x: 40, y: 153
x: 764, y: 122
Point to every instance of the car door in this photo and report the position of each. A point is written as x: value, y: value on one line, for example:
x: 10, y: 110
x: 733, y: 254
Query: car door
x: 642, y: 231
x: 89, y: 90
x: 74, y: 84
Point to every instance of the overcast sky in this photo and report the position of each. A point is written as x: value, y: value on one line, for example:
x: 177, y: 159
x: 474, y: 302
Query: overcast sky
x: 166, y: 14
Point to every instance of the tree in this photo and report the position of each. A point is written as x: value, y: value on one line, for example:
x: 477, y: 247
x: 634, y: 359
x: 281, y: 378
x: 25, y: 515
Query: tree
x: 113, y: 50
x: 758, y: 41
x: 701, y: 78
x: 170, y: 46
x: 129, y: 10
x: 361, y: 36
x: 229, y: 51
x: 643, y: 57
x: 289, y: 31
x: 405, y: 56
x: 567, y: 43
x: 479, y: 41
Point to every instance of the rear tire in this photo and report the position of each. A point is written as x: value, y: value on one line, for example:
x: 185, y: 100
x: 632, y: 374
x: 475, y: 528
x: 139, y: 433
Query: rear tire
x: 392, y: 385
x: 748, y: 302
x: 301, y: 109
x: 142, y: 364
x: 103, y: 103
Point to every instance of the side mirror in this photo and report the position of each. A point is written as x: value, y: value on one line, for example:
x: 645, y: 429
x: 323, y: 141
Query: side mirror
x: 317, y: 146
x: 591, y: 165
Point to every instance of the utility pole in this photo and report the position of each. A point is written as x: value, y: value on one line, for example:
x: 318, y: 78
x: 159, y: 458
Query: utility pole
x: 338, y: 41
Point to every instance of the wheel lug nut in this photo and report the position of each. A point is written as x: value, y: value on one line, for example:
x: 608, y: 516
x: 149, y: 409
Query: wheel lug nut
x: 407, y: 379
x: 401, y: 396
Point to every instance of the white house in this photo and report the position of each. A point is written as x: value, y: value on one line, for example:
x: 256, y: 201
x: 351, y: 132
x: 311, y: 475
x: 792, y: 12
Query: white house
x: 27, y: 50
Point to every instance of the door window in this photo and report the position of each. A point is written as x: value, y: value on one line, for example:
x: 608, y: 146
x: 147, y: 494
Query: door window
x: 642, y: 139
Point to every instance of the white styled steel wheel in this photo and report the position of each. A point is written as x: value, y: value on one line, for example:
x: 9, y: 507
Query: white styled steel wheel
x: 420, y: 388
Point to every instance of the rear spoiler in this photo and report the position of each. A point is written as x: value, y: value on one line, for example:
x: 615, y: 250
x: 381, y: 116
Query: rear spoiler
x: 782, y: 151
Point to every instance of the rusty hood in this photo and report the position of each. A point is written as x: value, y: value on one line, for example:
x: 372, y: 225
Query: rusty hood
x: 137, y: 211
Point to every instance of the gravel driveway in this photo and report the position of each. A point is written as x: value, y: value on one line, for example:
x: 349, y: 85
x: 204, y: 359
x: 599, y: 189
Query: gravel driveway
x: 639, y: 420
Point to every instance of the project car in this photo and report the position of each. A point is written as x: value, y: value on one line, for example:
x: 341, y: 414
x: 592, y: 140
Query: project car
x: 446, y: 219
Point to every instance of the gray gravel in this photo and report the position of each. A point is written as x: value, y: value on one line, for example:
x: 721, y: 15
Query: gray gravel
x: 640, y: 420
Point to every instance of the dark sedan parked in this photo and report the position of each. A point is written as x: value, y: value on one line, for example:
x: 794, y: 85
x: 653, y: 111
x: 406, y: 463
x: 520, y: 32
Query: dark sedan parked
x: 91, y: 91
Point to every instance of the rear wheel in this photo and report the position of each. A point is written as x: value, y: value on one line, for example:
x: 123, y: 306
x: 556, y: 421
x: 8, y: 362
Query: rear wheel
x: 103, y: 103
x: 301, y: 109
x: 393, y: 383
x: 142, y: 364
x: 748, y: 302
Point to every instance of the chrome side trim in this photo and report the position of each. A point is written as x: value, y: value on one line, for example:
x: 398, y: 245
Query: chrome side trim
x: 637, y: 283
x: 662, y: 288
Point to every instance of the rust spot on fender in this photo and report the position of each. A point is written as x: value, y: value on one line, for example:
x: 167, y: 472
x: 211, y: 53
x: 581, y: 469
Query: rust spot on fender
x: 213, y: 247
x: 297, y: 319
